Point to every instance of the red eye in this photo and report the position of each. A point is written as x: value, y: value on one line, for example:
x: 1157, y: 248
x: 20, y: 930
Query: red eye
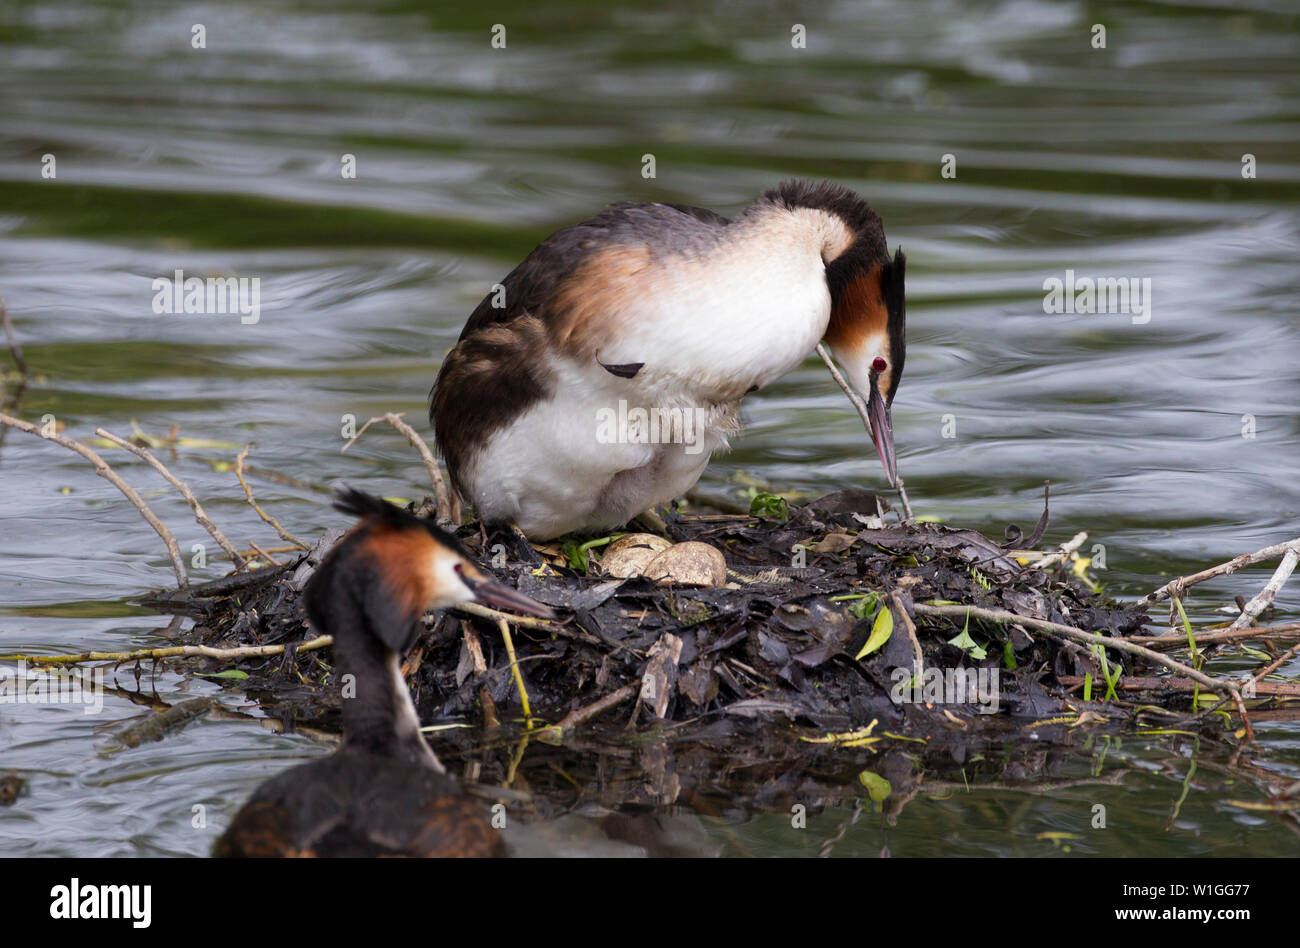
x: 879, y: 365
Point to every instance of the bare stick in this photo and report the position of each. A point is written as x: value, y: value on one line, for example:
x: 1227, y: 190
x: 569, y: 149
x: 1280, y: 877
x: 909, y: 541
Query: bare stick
x: 271, y: 560
x: 174, y: 651
x: 1068, y: 549
x: 1264, y: 689
x: 263, y: 551
x: 583, y: 715
x: 106, y: 472
x: 1069, y: 631
x: 1266, y: 596
x: 1274, y: 665
x: 504, y: 626
x: 201, y: 517
x: 248, y: 492
x: 910, y: 628
x: 1284, y: 632
x: 861, y: 406
x: 430, y: 462
x: 1223, y: 569
x: 525, y: 622
x: 475, y: 648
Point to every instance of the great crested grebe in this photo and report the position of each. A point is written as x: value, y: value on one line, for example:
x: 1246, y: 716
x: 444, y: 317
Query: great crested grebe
x: 599, y: 377
x: 383, y: 792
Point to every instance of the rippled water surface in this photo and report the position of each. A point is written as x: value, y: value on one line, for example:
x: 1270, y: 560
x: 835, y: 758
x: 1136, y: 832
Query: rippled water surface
x: 1117, y: 162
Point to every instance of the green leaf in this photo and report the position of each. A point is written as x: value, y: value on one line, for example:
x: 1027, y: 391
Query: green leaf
x: 881, y: 630
x: 878, y: 788
x: 1191, y: 637
x: 968, y: 644
x: 1008, y: 656
x: 863, y: 604
x: 767, y: 504
x: 228, y: 673
x: 576, y: 552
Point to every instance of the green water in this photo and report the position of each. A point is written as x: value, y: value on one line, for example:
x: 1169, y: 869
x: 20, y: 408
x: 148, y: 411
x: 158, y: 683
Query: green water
x: 1124, y: 161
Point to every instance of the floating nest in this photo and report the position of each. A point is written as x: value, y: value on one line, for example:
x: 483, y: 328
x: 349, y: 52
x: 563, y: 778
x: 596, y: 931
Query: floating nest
x: 823, y: 618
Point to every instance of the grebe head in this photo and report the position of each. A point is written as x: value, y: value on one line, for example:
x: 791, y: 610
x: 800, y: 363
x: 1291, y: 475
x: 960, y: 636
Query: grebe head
x: 866, y: 331
x: 395, y: 566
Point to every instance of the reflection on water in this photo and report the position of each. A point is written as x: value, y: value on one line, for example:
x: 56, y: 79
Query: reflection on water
x: 1116, y: 162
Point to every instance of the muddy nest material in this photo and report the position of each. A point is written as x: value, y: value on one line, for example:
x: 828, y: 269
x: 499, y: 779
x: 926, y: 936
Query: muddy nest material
x: 782, y: 641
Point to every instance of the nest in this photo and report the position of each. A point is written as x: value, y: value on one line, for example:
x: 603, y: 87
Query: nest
x: 794, y: 637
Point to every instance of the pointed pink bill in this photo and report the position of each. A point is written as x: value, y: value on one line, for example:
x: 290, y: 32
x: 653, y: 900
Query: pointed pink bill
x: 499, y: 596
x: 882, y: 432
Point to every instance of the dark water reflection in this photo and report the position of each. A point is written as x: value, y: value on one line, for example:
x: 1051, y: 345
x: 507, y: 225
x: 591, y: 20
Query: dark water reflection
x: 1117, y: 162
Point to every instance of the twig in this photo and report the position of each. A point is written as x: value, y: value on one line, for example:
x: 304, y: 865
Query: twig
x: 910, y: 628
x: 1223, y: 569
x: 583, y: 715
x: 1264, y: 689
x: 1069, y: 631
x: 264, y: 554
x: 861, y: 406
x: 201, y: 517
x: 248, y: 492
x: 174, y: 651
x: 1266, y: 596
x: 1066, y: 550
x: 1245, y: 718
x: 1274, y: 665
x: 430, y: 462
x: 525, y: 622
x: 515, y: 673
x: 1286, y: 631
x: 475, y: 648
x: 103, y: 470
x: 262, y: 551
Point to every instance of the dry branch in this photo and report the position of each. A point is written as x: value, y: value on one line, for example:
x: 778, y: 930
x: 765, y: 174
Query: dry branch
x: 103, y: 469
x: 524, y: 622
x: 1223, y: 569
x: 1263, y: 689
x: 1088, y: 638
x: 173, y: 651
x: 199, y: 515
x: 582, y: 715
x: 1067, y: 549
x: 1266, y: 596
x: 248, y: 492
x: 445, y: 512
x: 1259, y: 632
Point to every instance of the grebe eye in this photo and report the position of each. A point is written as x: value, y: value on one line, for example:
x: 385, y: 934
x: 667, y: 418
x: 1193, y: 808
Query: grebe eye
x: 879, y: 365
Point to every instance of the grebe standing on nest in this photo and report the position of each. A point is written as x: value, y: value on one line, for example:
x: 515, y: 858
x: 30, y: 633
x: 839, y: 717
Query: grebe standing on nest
x: 383, y: 792
x: 665, y: 309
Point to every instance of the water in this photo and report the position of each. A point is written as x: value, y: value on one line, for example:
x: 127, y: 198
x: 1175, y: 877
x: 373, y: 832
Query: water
x: 1123, y: 161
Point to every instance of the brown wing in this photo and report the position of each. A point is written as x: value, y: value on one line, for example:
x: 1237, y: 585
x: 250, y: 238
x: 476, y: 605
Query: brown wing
x: 533, y: 288
x: 563, y: 295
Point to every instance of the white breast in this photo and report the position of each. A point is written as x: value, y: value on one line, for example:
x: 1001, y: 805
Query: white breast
x: 708, y: 329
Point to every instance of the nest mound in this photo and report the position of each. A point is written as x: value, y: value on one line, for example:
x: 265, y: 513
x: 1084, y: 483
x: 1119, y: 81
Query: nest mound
x: 781, y: 642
